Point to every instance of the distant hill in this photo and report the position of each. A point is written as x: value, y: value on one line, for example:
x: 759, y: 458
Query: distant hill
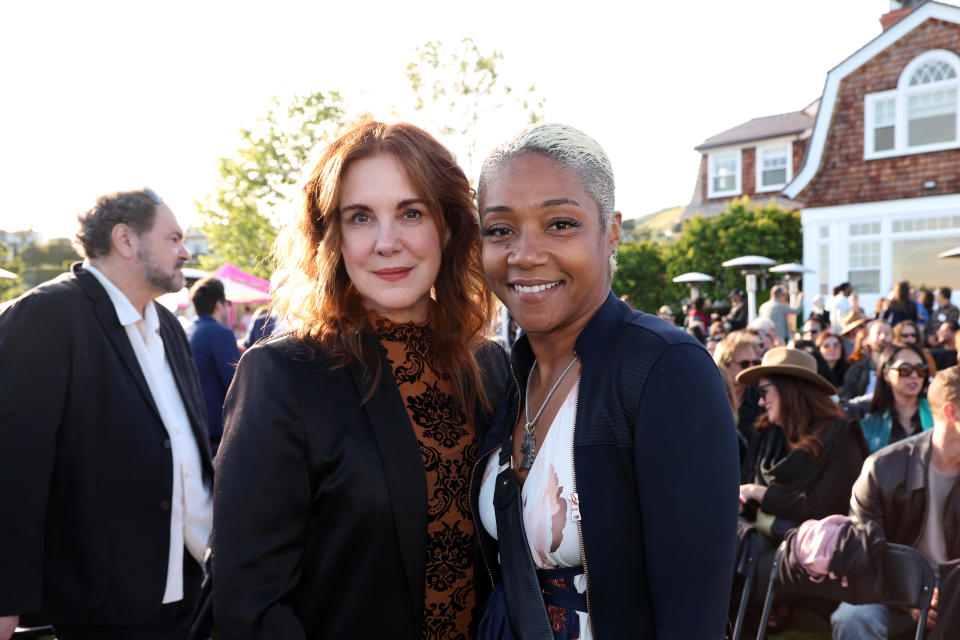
x: 660, y: 224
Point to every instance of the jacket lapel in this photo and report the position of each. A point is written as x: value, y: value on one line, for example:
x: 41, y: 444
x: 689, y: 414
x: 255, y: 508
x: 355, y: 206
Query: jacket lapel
x: 403, y: 465
x: 107, y: 315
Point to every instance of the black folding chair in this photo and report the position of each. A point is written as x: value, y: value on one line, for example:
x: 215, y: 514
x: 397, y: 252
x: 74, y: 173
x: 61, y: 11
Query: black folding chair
x: 907, y: 576
x: 909, y: 581
x: 746, y: 567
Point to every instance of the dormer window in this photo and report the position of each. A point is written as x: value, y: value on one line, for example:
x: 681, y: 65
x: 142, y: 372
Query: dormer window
x: 724, y: 174
x: 773, y: 167
x: 921, y: 114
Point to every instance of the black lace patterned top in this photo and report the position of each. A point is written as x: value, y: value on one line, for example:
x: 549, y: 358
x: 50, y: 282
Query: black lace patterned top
x: 448, y: 444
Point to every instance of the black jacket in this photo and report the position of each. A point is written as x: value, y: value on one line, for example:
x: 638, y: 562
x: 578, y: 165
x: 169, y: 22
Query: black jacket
x: 855, y: 569
x: 658, y: 492
x: 87, y: 471
x: 320, y: 502
x: 801, y: 487
x: 892, y: 491
x: 857, y: 379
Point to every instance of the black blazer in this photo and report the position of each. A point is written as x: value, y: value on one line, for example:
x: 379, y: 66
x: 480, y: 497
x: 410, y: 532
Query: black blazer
x: 87, y: 472
x: 320, y: 503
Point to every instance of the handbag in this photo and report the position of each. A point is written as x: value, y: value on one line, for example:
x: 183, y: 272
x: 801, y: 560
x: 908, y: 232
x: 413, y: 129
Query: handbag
x: 526, y: 610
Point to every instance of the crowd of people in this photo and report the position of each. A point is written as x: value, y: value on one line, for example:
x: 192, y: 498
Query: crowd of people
x: 376, y: 466
x: 823, y: 412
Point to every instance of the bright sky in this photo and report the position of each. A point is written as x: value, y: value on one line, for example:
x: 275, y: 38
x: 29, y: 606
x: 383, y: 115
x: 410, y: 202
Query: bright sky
x: 100, y: 96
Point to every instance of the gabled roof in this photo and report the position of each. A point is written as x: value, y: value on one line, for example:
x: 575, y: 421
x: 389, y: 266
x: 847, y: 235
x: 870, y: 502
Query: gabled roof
x: 836, y: 75
x: 783, y: 124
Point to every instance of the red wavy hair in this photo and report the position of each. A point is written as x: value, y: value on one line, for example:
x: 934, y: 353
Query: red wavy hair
x: 318, y: 301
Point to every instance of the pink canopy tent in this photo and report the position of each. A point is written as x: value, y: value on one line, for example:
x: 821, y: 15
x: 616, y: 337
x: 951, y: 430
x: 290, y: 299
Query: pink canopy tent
x: 238, y: 275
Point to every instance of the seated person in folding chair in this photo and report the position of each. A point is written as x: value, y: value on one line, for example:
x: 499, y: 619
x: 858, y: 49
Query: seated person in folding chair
x: 912, y: 490
x: 809, y: 454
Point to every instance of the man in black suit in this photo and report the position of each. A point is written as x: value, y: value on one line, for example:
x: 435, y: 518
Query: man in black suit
x: 106, y: 473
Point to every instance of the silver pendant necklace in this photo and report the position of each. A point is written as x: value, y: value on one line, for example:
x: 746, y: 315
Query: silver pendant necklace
x: 529, y: 445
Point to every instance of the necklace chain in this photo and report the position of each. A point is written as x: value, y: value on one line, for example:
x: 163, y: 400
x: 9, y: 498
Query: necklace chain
x: 529, y: 444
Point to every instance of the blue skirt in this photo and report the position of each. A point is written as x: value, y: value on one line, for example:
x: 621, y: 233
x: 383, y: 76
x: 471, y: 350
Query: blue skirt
x: 562, y: 600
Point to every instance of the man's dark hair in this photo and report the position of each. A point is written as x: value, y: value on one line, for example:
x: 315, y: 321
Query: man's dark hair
x: 945, y: 292
x: 136, y: 209
x: 842, y: 287
x: 205, y: 294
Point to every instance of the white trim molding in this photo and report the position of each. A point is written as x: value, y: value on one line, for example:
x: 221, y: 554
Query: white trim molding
x: 835, y: 76
x: 772, y: 147
x: 725, y: 155
x: 894, y: 108
x: 836, y: 227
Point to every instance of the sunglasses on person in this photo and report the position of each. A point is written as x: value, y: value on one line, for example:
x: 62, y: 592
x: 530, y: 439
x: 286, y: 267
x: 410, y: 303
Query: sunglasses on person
x: 905, y: 369
x: 907, y: 335
x: 830, y: 346
x: 746, y: 364
x: 763, y: 390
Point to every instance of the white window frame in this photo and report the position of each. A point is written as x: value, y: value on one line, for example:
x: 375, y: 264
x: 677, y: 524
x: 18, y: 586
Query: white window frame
x: 712, y: 157
x: 902, y: 95
x: 758, y: 163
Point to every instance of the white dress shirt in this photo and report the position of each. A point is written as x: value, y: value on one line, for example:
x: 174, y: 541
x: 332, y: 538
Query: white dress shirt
x: 191, y: 506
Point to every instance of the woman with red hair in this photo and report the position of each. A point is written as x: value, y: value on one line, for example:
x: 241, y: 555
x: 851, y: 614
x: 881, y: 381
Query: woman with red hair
x: 342, y: 505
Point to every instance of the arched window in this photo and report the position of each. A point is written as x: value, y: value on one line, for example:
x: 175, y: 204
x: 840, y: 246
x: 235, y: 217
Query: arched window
x: 921, y: 114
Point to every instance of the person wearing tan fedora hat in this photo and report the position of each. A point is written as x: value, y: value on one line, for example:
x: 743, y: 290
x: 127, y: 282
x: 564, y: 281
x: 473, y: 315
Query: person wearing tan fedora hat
x: 805, y: 456
x: 850, y: 325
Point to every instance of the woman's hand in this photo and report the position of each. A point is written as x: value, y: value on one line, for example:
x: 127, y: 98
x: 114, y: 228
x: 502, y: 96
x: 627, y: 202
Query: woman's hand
x: 931, y: 612
x: 752, y: 492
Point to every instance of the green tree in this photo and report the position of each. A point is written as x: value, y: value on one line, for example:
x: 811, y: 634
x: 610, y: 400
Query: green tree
x: 640, y: 275
x: 454, y: 86
x: 241, y: 217
x: 745, y: 228
x: 458, y: 85
x: 54, y: 253
x: 10, y: 288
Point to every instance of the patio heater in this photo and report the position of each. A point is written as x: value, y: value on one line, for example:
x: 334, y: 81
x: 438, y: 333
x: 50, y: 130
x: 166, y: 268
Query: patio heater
x: 694, y: 279
x: 793, y: 272
x: 750, y: 267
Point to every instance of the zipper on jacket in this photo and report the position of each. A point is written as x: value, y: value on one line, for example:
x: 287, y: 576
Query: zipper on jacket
x: 576, y: 498
x: 476, y: 516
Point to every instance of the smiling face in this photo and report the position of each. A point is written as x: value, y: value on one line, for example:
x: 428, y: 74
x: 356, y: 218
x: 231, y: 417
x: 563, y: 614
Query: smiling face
x: 391, y: 242
x: 161, y: 254
x: 545, y: 253
x: 770, y: 399
x: 908, y: 385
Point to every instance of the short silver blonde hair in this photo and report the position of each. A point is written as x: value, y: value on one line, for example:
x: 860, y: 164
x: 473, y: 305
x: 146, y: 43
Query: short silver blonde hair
x: 571, y: 149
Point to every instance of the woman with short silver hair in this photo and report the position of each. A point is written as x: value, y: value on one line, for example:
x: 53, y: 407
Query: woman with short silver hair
x: 617, y: 426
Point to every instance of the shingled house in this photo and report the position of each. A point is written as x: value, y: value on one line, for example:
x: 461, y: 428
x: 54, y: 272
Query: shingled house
x: 880, y: 184
x: 876, y: 171
x: 757, y: 159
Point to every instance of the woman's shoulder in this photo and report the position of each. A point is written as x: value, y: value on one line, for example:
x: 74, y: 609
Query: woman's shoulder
x: 285, y: 351
x: 656, y: 328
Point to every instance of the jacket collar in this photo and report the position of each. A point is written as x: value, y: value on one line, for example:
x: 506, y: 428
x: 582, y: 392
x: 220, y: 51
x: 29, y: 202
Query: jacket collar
x: 592, y: 341
x: 918, y: 462
x: 106, y: 313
